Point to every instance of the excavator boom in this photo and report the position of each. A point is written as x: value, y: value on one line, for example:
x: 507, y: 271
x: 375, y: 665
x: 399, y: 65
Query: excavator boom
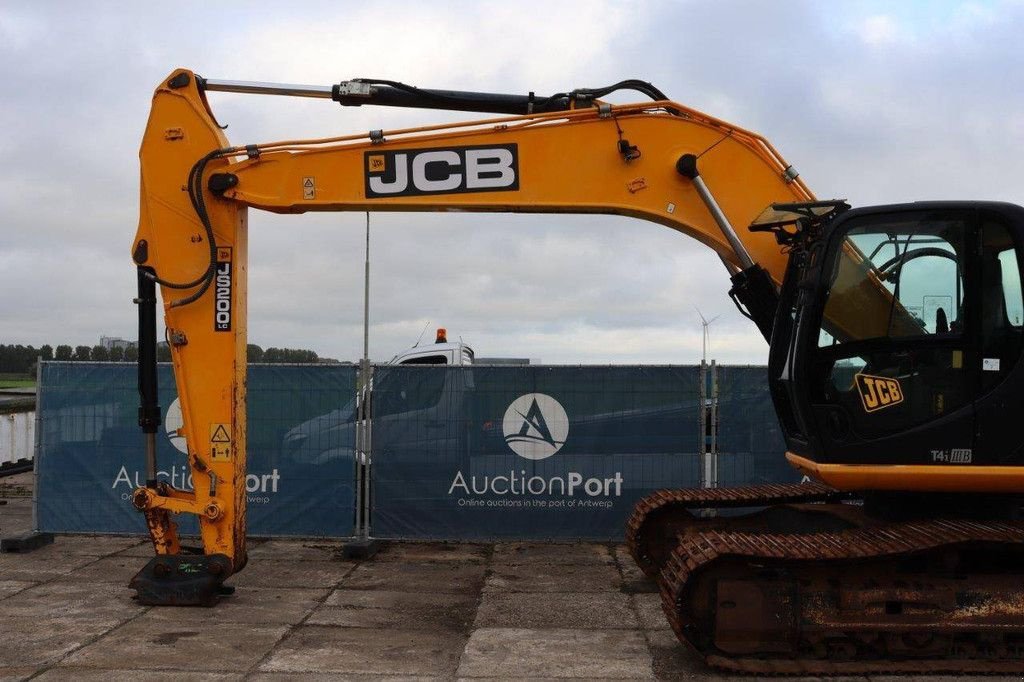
x: 192, y: 234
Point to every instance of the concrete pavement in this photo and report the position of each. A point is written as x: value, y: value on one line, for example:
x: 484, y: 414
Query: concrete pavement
x: 416, y: 611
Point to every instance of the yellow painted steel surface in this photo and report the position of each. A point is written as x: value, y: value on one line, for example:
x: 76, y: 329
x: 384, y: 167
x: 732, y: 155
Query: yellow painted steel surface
x: 209, y: 369
x: 567, y: 162
x: 913, y: 477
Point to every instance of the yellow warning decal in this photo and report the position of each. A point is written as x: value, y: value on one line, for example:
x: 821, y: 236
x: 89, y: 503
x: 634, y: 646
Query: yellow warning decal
x: 877, y: 393
x: 220, y: 442
x: 223, y: 254
x: 309, y: 188
x: 375, y: 163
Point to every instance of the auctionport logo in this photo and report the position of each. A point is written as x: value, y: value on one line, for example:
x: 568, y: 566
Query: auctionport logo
x: 535, y: 426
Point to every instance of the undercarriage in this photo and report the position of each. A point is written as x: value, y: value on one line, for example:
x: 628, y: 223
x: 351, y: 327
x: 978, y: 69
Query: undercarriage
x: 814, y: 584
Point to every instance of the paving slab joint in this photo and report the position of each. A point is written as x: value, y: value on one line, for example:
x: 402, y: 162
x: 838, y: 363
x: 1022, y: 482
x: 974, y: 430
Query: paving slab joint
x: 291, y: 629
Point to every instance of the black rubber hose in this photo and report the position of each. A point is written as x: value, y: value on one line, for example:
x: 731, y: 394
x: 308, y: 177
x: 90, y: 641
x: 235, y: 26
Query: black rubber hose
x: 195, y: 193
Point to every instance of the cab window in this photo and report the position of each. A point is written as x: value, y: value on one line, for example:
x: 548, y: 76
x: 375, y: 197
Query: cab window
x: 1012, y: 298
x: 898, y: 278
x: 426, y: 360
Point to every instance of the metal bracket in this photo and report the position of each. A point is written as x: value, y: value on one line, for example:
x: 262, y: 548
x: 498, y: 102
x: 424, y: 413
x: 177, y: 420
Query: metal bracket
x: 604, y: 110
x: 629, y: 152
x: 354, y: 88
x: 790, y: 174
x: 197, y: 463
x: 636, y: 184
x: 140, y: 255
x: 805, y: 218
x: 376, y: 136
x: 179, y: 81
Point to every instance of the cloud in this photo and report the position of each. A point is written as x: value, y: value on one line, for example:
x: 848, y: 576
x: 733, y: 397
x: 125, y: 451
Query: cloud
x: 879, y: 29
x: 874, y: 102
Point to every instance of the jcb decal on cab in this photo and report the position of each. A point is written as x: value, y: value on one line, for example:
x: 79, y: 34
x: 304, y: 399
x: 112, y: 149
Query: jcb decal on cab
x: 451, y: 170
x: 878, y: 392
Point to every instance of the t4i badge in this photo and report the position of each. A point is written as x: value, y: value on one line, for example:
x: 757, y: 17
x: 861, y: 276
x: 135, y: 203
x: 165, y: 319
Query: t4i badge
x: 877, y: 393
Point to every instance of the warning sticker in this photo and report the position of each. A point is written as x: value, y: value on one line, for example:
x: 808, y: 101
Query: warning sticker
x: 220, y: 442
x: 309, y: 188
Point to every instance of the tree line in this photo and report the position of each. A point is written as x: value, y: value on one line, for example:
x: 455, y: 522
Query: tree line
x: 20, y: 359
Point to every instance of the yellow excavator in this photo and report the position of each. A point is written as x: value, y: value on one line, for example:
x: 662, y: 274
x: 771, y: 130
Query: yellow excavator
x: 894, y: 331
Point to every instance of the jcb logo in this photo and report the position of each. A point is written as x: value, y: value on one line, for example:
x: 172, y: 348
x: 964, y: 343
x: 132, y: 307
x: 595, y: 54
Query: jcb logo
x: 878, y: 392
x: 453, y: 170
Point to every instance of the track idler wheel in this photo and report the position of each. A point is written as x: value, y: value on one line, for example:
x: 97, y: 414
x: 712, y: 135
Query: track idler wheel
x: 655, y: 534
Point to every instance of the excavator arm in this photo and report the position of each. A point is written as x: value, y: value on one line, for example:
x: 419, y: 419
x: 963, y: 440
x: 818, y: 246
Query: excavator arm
x: 659, y: 161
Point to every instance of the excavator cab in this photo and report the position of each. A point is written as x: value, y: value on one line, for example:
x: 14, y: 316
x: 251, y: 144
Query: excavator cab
x: 895, y: 368
x: 898, y: 341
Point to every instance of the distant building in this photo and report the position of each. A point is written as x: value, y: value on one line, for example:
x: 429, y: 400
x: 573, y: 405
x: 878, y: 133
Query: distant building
x: 504, y: 361
x: 109, y: 342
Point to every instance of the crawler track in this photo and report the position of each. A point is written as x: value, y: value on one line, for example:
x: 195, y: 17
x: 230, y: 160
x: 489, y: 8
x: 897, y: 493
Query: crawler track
x: 929, y: 596
x: 660, y: 517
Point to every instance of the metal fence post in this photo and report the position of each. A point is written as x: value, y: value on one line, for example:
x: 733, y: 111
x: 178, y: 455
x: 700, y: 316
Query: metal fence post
x: 702, y: 423
x: 713, y: 408
x: 362, y: 546
x: 359, y: 458
x: 33, y: 539
x: 35, y: 446
x: 367, y: 495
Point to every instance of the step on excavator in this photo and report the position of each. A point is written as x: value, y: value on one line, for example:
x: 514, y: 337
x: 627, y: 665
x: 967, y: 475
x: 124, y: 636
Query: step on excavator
x: 895, y: 337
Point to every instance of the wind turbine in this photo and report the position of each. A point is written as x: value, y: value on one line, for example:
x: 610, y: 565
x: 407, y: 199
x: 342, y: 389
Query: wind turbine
x: 706, y: 338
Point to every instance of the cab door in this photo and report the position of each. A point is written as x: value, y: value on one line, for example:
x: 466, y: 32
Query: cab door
x: 895, y: 369
x: 999, y: 413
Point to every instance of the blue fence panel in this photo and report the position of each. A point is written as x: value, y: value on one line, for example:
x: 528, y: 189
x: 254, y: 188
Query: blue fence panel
x: 527, y: 452
x: 459, y: 452
x: 91, y: 453
x: 750, y: 443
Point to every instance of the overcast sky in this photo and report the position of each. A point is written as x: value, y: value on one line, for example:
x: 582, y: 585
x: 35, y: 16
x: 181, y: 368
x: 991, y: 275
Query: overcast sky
x: 872, y: 101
